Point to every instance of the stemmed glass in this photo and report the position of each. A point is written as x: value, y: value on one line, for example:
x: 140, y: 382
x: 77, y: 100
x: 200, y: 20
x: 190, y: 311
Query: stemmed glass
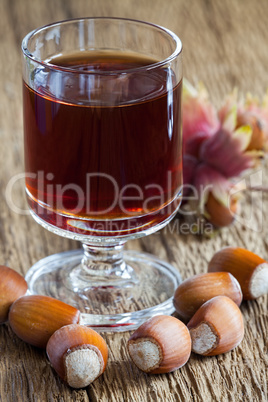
x: 103, y: 162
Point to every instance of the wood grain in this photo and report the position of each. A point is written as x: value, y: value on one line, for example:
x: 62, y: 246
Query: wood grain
x: 225, y: 45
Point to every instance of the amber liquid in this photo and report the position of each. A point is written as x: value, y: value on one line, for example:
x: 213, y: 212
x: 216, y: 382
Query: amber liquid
x: 102, y: 147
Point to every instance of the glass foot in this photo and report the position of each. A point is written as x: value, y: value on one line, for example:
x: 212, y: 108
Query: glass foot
x: 145, y: 288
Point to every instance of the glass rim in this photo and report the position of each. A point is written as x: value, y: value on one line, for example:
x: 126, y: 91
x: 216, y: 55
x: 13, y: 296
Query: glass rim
x: 170, y: 58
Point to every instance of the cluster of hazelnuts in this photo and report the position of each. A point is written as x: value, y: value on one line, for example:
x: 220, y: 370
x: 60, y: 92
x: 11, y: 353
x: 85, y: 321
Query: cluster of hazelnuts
x: 208, y: 303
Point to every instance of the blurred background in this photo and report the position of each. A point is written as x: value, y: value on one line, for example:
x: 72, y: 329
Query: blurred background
x: 223, y: 42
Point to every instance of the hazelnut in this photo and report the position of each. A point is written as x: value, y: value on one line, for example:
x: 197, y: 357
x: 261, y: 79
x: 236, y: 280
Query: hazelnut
x: 217, y: 327
x: 35, y: 318
x: 78, y: 354
x: 249, y: 269
x: 193, y: 292
x: 12, y: 286
x: 219, y: 214
x: 160, y: 345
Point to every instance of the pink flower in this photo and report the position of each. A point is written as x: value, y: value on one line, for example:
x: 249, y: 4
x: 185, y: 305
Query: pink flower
x: 199, y: 115
x: 249, y: 112
x: 219, y: 146
x: 225, y: 151
x: 256, y: 115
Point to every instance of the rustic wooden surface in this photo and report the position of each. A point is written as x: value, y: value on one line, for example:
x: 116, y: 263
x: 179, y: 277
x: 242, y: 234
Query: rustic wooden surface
x: 225, y: 45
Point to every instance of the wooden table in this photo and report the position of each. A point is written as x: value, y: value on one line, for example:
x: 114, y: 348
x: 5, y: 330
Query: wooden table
x: 225, y: 45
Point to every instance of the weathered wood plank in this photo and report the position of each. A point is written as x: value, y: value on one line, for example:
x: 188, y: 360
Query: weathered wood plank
x: 225, y: 45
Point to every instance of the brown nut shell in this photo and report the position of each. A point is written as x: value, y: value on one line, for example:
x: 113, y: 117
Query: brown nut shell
x: 35, y: 318
x: 249, y: 269
x: 258, y: 137
x: 78, y: 354
x: 12, y: 286
x: 218, y: 214
x: 195, y: 291
x: 217, y: 327
x: 160, y: 345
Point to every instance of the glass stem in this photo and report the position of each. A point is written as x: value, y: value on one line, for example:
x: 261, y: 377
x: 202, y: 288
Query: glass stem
x: 102, y: 266
x: 104, y: 261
